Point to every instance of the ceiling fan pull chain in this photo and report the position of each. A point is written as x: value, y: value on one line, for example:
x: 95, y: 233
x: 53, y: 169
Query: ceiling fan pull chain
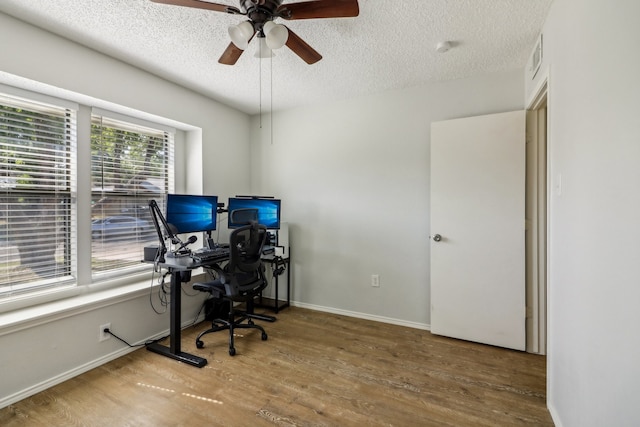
x: 271, y: 100
x: 260, y: 84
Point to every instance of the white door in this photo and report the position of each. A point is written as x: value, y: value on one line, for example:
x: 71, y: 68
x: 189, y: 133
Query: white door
x: 478, y: 229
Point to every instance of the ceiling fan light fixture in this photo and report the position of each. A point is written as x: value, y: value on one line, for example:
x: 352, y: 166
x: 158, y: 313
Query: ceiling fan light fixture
x: 276, y: 35
x: 263, y: 50
x: 241, y: 34
x: 261, y: 13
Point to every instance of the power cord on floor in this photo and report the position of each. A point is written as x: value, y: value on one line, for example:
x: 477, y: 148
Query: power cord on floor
x: 108, y: 331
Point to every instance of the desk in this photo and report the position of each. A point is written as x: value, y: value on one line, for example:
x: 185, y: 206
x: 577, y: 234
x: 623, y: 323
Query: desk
x: 176, y: 267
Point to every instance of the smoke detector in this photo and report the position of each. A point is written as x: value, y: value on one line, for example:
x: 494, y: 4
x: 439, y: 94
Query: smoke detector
x: 443, y: 47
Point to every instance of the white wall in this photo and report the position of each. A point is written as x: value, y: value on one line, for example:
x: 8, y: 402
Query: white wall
x: 354, y: 180
x: 591, y: 52
x: 61, y: 339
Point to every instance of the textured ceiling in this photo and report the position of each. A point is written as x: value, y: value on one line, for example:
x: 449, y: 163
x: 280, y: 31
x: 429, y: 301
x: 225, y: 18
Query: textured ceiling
x: 390, y: 45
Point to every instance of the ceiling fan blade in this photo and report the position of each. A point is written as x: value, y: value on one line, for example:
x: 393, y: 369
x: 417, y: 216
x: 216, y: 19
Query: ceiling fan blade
x: 231, y: 55
x: 201, y: 5
x: 302, y: 49
x: 319, y: 9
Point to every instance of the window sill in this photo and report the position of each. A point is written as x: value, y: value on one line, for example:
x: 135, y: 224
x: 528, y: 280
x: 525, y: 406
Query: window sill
x: 74, y: 300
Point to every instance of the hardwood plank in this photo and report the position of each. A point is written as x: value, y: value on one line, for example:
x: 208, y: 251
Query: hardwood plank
x: 316, y: 369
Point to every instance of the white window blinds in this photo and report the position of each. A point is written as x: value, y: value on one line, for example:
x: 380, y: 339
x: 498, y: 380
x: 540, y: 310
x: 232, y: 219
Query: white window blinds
x: 130, y: 165
x: 37, y: 169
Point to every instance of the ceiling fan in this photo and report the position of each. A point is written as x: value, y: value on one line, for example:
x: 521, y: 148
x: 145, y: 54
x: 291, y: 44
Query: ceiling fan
x: 263, y: 13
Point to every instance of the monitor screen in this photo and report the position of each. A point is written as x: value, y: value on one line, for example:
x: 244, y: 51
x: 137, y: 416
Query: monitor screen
x: 190, y: 214
x: 268, y: 211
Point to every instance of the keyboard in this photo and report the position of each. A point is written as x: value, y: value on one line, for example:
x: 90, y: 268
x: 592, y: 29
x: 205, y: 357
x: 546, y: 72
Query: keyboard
x: 208, y: 254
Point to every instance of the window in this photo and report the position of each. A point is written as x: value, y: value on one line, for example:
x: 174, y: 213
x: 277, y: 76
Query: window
x: 130, y: 165
x: 41, y: 205
x: 37, y: 153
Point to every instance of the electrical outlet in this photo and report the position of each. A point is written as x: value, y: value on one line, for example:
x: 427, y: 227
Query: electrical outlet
x: 375, y: 280
x: 102, y: 335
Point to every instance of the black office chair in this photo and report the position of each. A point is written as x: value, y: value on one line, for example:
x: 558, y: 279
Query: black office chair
x: 240, y: 280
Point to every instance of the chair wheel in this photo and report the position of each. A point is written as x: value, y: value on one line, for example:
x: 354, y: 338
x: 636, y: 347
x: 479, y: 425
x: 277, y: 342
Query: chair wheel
x: 199, y: 344
x: 232, y: 351
x: 264, y: 336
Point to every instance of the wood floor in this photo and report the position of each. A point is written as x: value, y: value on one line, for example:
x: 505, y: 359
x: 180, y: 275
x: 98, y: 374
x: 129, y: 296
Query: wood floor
x: 316, y: 369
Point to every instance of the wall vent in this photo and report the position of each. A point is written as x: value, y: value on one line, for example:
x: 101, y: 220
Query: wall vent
x: 536, y: 58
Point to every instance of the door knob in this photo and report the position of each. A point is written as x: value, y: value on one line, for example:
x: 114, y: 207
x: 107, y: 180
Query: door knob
x: 437, y: 238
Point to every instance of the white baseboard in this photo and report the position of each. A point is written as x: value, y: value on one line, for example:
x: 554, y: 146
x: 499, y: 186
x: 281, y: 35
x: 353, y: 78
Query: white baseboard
x: 554, y: 415
x: 36, y: 388
x: 365, y: 316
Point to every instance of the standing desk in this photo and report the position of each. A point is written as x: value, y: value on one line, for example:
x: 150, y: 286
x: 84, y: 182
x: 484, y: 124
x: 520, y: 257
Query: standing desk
x: 177, y: 266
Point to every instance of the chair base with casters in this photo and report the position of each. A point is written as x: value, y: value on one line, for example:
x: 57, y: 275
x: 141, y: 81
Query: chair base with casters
x: 236, y: 317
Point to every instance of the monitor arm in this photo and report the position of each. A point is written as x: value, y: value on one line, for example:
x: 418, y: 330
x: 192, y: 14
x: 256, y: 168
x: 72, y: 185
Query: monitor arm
x: 158, y: 218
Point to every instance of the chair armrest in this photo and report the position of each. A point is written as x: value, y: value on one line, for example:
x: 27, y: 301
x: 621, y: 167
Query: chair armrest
x: 215, y: 287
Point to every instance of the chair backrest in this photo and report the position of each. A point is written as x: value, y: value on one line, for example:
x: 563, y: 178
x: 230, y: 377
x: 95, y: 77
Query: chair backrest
x: 243, y: 216
x: 245, y: 271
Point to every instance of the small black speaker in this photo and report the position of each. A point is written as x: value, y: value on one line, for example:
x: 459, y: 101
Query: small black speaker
x: 150, y: 253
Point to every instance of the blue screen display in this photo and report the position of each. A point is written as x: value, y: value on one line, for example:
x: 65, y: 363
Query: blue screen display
x: 268, y: 211
x: 190, y: 214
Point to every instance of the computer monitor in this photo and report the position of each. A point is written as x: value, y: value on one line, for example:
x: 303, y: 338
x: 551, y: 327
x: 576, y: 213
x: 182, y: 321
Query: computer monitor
x: 191, y: 213
x: 268, y: 211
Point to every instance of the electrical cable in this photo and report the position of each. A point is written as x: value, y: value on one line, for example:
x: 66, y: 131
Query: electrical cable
x: 108, y: 331
x: 160, y: 292
x: 188, y: 294
x: 164, y: 294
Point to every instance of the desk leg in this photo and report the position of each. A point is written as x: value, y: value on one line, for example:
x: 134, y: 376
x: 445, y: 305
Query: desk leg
x: 289, y: 279
x: 279, y: 306
x: 275, y: 303
x: 175, y: 308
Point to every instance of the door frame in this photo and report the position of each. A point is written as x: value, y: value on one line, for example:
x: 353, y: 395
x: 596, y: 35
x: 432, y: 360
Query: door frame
x: 537, y: 226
